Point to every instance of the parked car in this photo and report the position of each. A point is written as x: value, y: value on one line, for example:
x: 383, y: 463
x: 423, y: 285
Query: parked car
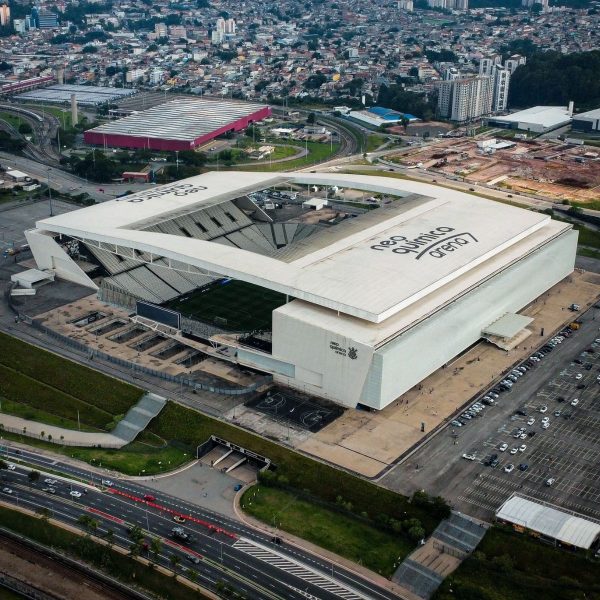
x: 550, y: 481
x: 523, y: 467
x: 469, y: 456
x: 543, y: 408
x: 509, y: 468
x: 575, y: 402
x: 531, y: 421
x: 503, y: 447
x: 522, y: 448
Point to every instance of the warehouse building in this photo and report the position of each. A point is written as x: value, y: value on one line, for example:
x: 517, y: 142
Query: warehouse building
x: 537, y: 119
x: 549, y: 523
x: 86, y: 95
x: 587, y: 121
x: 369, y: 305
x: 181, y: 124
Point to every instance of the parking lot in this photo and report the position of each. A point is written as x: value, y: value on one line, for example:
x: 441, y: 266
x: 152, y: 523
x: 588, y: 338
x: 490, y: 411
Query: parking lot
x: 567, y: 451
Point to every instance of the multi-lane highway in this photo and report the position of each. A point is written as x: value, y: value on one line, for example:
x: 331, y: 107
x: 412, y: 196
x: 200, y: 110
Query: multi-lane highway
x: 222, y: 549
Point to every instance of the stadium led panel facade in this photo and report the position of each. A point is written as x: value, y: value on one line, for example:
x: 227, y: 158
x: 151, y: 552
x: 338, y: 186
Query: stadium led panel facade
x: 357, y: 309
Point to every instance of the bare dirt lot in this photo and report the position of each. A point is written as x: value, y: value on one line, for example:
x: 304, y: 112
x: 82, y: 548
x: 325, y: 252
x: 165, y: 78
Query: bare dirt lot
x: 556, y: 170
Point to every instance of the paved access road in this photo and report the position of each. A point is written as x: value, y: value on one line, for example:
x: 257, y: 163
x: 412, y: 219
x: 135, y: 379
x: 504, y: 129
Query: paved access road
x: 568, y: 450
x: 66, y: 183
x: 228, y: 550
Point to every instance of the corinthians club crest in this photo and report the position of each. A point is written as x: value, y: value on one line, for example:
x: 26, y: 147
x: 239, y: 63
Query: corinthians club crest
x: 352, y: 353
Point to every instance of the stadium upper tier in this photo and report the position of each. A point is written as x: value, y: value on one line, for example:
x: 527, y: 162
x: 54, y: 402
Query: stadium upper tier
x: 372, y: 267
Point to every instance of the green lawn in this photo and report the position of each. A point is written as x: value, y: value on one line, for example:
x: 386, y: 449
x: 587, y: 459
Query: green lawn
x: 237, y: 305
x: 514, y: 566
x: 11, y: 119
x: 340, y: 533
x: 317, y: 152
x: 102, y: 558
x: 27, y: 411
x: 29, y: 365
x: 374, y: 140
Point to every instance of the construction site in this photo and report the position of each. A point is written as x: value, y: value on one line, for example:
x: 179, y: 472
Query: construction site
x: 553, y: 169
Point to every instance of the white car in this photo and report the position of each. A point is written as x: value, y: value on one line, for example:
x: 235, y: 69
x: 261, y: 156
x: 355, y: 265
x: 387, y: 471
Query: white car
x: 543, y: 409
x: 503, y: 447
x: 11, y: 467
x: 522, y: 448
x: 578, y: 376
x: 514, y: 450
x: 575, y: 402
x: 531, y: 421
x: 50, y: 481
x: 468, y: 456
x: 75, y: 494
x: 545, y: 425
x: 523, y: 436
x: 509, y: 468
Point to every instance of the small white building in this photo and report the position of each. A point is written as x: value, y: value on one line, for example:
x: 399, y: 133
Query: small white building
x: 17, y: 175
x: 315, y: 203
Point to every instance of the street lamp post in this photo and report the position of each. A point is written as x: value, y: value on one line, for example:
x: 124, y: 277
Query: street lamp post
x: 50, y: 194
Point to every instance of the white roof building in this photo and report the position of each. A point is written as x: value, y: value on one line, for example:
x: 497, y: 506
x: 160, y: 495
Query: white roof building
x: 537, y: 119
x: 550, y: 522
x: 379, y: 301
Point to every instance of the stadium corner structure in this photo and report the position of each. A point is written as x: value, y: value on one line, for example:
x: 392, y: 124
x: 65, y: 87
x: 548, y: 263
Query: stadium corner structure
x: 371, y: 303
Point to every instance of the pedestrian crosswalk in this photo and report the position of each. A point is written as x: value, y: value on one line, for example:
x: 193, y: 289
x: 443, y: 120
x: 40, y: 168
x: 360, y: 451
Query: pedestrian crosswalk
x: 293, y: 567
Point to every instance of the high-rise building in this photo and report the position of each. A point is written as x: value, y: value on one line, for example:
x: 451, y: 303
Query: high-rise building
x: 501, y: 82
x: 464, y: 100
x: 516, y: 60
x: 160, y: 29
x: 451, y: 74
x: 449, y: 4
x: 406, y: 5
x: 486, y: 65
x: 4, y: 15
x: 229, y: 27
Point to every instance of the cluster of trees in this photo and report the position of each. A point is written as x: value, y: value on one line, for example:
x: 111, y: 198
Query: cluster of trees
x: 10, y: 144
x: 95, y: 166
x: 399, y: 99
x: 410, y: 527
x: 552, y: 78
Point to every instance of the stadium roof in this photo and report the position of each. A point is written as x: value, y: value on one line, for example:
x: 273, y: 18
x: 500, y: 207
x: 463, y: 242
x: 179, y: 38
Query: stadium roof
x: 590, y: 114
x: 434, y: 240
x: 544, y: 116
x: 180, y: 119
x: 550, y: 522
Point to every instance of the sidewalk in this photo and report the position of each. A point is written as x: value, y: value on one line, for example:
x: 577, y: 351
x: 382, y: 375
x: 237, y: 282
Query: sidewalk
x: 135, y: 421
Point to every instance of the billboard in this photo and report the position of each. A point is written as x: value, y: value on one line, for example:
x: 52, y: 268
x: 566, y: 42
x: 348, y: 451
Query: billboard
x: 158, y: 314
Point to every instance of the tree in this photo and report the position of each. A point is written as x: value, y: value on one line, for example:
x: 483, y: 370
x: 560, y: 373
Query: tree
x: 311, y: 119
x: 25, y: 128
x: 174, y: 560
x: 33, y: 476
x: 109, y: 536
x: 3, y: 464
x: 155, y: 547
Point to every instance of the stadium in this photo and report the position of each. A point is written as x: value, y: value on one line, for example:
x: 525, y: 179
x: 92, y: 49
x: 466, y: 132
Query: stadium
x: 353, y: 305
x: 181, y: 124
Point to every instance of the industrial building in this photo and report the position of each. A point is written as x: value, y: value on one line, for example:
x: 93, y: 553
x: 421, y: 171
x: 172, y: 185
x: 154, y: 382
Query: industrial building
x: 549, y: 522
x: 180, y: 124
x: 537, y: 119
x: 86, y: 95
x: 370, y: 304
x: 587, y: 121
x: 376, y: 116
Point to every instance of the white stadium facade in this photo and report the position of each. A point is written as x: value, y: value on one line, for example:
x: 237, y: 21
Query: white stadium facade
x: 373, y: 304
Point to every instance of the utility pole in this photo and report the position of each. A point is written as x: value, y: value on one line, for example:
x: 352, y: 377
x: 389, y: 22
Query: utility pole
x: 50, y: 195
